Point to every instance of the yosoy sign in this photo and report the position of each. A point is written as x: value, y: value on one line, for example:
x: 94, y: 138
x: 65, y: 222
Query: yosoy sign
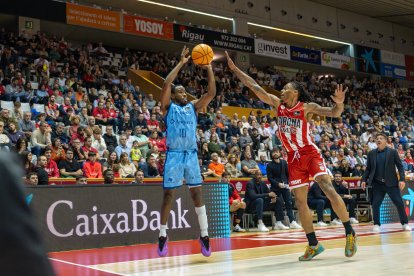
x: 148, y: 27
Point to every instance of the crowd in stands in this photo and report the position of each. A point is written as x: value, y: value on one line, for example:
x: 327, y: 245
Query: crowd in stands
x: 95, y: 121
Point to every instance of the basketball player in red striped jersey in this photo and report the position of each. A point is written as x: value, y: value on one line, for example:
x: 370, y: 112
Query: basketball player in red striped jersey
x: 294, y: 109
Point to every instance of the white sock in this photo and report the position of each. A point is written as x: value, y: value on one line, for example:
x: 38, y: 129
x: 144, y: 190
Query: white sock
x: 202, y: 220
x: 259, y: 221
x: 163, y: 231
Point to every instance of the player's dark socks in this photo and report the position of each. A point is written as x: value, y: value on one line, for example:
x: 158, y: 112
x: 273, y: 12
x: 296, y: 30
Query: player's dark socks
x: 312, y: 239
x: 348, y: 228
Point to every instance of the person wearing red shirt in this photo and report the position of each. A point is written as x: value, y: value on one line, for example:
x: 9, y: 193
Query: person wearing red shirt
x: 51, y: 166
x: 91, y: 168
x: 87, y: 147
x: 159, y: 142
x: 80, y: 134
x: 237, y: 205
x: 409, y: 159
x: 100, y: 113
x: 153, y: 124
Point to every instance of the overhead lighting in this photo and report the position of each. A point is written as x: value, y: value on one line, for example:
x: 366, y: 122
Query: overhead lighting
x: 297, y: 33
x: 184, y: 9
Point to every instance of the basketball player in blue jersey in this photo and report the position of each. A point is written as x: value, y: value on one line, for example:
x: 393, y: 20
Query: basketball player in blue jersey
x: 181, y: 161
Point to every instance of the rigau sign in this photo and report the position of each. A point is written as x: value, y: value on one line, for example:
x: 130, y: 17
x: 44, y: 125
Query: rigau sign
x: 91, y: 216
x: 272, y: 49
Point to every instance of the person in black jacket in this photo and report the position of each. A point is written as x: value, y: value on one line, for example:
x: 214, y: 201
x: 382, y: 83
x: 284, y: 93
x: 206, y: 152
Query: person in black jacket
x: 318, y: 202
x: 43, y: 178
x: 341, y: 187
x: 382, y: 177
x: 110, y: 139
x: 278, y: 176
x: 259, y: 198
x: 22, y: 252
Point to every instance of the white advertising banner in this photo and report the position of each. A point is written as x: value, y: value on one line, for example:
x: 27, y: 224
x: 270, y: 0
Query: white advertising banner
x: 392, y: 58
x: 336, y: 61
x: 272, y: 49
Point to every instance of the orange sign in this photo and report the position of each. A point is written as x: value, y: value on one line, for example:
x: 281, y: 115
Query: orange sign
x: 148, y: 27
x: 94, y: 18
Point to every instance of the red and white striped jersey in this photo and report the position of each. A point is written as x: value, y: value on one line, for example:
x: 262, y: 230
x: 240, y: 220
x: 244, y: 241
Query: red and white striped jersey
x: 293, y: 127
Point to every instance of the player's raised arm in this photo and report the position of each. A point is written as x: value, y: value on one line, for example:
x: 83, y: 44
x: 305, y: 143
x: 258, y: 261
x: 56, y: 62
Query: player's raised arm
x: 206, y: 98
x: 270, y: 99
x: 336, y: 110
x: 166, y: 88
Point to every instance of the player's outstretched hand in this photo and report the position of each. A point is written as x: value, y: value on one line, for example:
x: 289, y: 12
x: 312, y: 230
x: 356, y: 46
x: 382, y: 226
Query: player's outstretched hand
x: 230, y: 62
x: 206, y: 66
x: 339, y: 96
x: 185, y: 55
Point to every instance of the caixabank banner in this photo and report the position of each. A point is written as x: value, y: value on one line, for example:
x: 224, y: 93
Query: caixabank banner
x: 93, y: 216
x: 367, y: 59
x: 214, y: 39
x: 305, y: 55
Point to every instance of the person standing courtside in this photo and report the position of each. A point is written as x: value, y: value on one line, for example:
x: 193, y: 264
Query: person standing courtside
x: 278, y: 176
x: 181, y: 161
x: 381, y: 176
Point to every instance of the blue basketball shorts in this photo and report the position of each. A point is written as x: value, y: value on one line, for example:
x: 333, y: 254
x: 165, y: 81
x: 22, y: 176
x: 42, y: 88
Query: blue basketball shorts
x: 181, y: 165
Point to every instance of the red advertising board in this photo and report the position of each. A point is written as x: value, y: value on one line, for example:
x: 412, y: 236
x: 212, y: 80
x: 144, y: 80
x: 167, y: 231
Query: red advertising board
x: 148, y: 27
x: 409, y: 67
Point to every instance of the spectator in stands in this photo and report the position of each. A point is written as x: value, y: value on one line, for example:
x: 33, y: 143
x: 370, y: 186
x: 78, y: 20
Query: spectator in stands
x: 259, y: 198
x: 5, y: 144
x: 5, y: 118
x: 263, y: 164
x: 108, y: 175
x: 27, y: 125
x: 344, y: 168
x: 232, y: 166
x: 341, y: 187
x: 68, y: 167
x: 29, y: 162
x: 248, y: 165
x: 143, y: 142
x: 58, y: 152
x: 357, y: 172
x: 318, y: 202
x: 161, y: 163
x: 111, y: 161
x: 42, y: 175
x: 91, y: 168
x: 98, y: 142
x: 233, y: 145
x: 138, y: 178
x: 90, y: 126
x: 101, y: 114
x: 78, y: 153
x: 87, y: 147
x: 237, y: 205
x: 51, y: 166
x: 122, y: 147
x: 150, y: 102
x: 136, y: 154
x: 125, y: 124
x: 110, y: 139
x: 360, y: 158
x: 158, y: 142
x: 75, y: 124
x: 150, y: 168
x: 60, y: 133
x: 32, y: 179
x: 142, y: 122
x: 153, y: 124
x: 126, y: 168
x: 216, y: 166
x: 81, y: 180
x: 245, y: 139
x: 214, y: 145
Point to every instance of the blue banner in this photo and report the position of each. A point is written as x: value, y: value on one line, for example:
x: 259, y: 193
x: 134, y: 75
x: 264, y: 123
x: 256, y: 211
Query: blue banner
x: 305, y: 55
x: 367, y: 59
x: 393, y: 71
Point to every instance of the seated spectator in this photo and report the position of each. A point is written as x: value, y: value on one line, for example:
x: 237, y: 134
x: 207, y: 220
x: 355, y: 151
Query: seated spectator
x: 5, y: 118
x: 341, y: 187
x: 51, y: 166
x: 91, y: 168
x: 110, y: 139
x: 108, y: 177
x: 318, y: 202
x: 158, y: 142
x: 263, y: 164
x: 248, y: 165
x: 245, y: 139
x: 216, y: 166
x: 237, y: 205
x: 68, y: 167
x: 27, y: 125
x: 78, y: 153
x: 29, y: 163
x: 32, y: 179
x: 232, y: 166
x: 60, y: 133
x: 161, y: 163
x: 87, y: 147
x: 5, y: 144
x: 150, y: 168
x: 138, y: 178
x: 58, y: 152
x: 75, y: 124
x: 125, y: 123
x: 143, y: 142
x: 205, y: 171
x: 259, y: 198
x: 111, y: 161
x: 101, y: 114
x: 14, y: 134
x: 214, y: 145
x: 357, y: 172
x: 79, y: 135
x: 41, y: 138
x: 122, y: 147
x: 126, y: 168
x: 81, y: 180
x: 233, y: 145
x: 98, y: 142
x: 42, y: 175
x: 153, y: 124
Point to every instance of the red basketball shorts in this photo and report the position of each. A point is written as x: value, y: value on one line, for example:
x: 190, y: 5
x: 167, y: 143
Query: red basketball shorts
x: 304, y: 164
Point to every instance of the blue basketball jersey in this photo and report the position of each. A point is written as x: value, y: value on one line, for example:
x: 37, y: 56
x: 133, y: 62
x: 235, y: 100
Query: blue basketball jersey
x: 181, y: 124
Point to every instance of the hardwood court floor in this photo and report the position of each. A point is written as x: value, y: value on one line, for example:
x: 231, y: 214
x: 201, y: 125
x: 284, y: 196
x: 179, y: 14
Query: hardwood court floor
x: 251, y: 253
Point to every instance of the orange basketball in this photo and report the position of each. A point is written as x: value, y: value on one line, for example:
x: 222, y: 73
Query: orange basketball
x: 202, y: 54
